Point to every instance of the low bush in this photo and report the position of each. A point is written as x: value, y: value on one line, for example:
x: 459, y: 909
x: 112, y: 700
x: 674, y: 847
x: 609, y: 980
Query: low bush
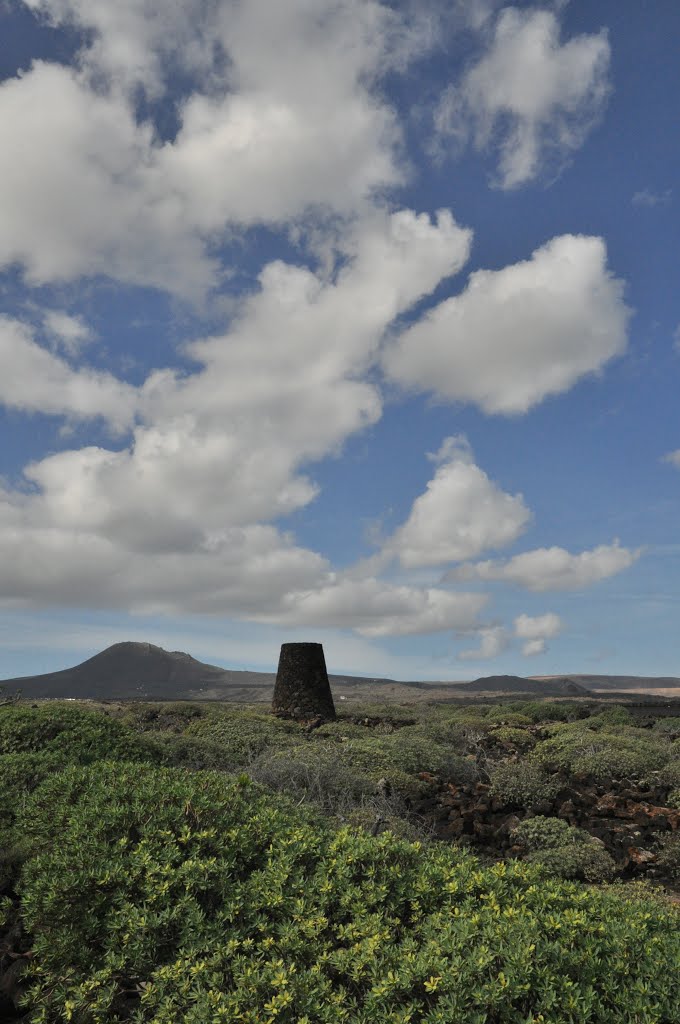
x: 244, y: 736
x: 411, y: 753
x: 562, y: 850
x: 545, y: 833
x: 519, y: 739
x: 499, y: 715
x: 602, y: 753
x: 668, y: 727
x: 37, y: 742
x: 581, y: 861
x: 158, y: 896
x: 195, y: 753
x: 74, y: 733
x: 170, y: 716
x: 668, y: 856
x: 315, y: 774
x: 522, y: 784
x: 551, y: 711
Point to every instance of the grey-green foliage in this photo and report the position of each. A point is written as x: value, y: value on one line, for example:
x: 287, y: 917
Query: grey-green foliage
x: 243, y: 737
x: 508, y: 735
x: 668, y: 726
x: 215, y: 902
x: 317, y: 774
x: 668, y: 857
x: 580, y: 861
x: 523, y: 783
x: 546, y: 833
x: 563, y: 850
x: 603, y: 750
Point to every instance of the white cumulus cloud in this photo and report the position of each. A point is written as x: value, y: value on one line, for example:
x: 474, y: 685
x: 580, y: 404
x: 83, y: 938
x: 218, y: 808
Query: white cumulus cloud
x: 516, y: 335
x: 283, y: 116
x: 461, y: 513
x: 36, y: 380
x: 552, y: 568
x: 177, y: 520
x: 531, y: 95
x: 535, y: 630
x: 493, y: 640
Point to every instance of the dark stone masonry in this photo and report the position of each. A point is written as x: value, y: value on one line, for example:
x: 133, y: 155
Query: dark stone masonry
x: 302, y: 689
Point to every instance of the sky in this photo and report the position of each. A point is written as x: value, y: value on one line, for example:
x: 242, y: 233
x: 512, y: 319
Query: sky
x: 345, y: 321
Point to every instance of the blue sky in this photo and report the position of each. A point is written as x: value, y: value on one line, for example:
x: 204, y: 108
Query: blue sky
x: 345, y: 321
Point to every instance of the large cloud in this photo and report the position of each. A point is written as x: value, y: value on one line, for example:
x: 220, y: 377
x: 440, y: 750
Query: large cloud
x: 255, y: 573
x: 81, y: 189
x: 175, y: 521
x: 552, y: 568
x: 516, y: 335
x: 375, y: 608
x: 538, y: 97
x: 461, y: 514
x: 282, y: 117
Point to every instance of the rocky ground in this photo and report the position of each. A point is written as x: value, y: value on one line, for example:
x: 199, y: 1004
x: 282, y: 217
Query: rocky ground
x: 623, y: 818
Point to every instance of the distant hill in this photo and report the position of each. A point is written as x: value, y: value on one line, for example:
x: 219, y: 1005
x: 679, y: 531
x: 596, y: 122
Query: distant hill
x: 655, y: 685
x: 128, y: 671
x: 141, y: 671
x: 553, y: 687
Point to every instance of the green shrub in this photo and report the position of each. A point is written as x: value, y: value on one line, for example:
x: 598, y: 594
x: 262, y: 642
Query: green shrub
x: 162, y: 716
x: 520, y: 739
x: 674, y: 798
x: 315, y: 774
x: 74, y: 733
x: 216, y: 903
x: 544, y: 833
x: 669, y: 853
x: 550, y: 711
x: 413, y: 753
x: 669, y: 775
x: 341, y: 728
x: 397, y: 714
x: 602, y: 753
x: 244, y: 736
x: 613, y: 715
x: 519, y: 782
x: 194, y: 753
x: 562, y: 850
x: 668, y: 727
x: 500, y: 715
x: 581, y: 861
x: 376, y: 818
x: 37, y: 742
x: 451, y: 734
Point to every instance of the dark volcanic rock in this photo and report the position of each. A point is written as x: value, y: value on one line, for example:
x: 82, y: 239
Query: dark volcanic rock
x: 302, y: 689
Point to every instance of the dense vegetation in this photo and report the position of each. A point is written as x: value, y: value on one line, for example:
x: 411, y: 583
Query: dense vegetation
x: 212, y: 863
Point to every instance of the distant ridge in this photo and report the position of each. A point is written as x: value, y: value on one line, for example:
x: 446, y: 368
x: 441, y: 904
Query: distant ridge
x: 556, y: 686
x: 142, y: 671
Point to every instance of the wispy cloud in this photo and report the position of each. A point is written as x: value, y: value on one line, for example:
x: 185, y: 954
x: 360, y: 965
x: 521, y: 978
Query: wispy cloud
x: 650, y: 199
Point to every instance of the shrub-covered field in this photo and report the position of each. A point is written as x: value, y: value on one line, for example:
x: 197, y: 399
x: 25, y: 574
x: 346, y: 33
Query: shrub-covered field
x: 204, y: 863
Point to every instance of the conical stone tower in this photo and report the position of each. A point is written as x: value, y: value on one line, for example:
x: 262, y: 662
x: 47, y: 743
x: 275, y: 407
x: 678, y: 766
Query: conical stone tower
x: 302, y: 689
